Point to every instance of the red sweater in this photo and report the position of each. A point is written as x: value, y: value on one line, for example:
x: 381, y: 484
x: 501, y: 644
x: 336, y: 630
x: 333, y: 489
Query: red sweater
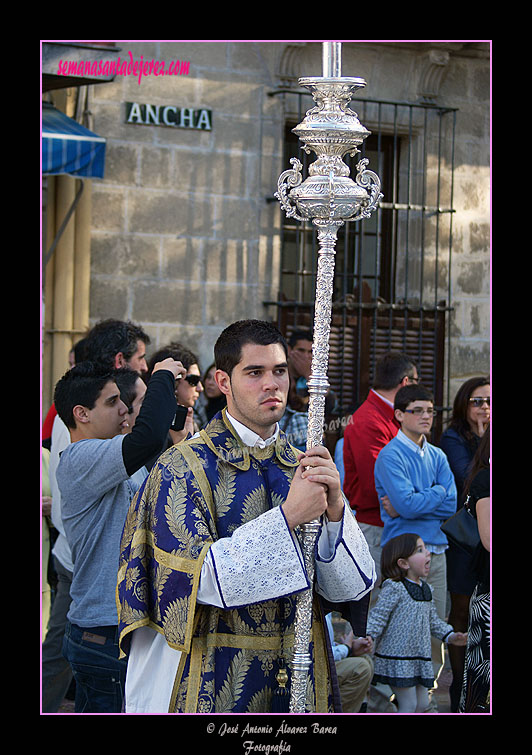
x: 371, y: 427
x: 49, y: 422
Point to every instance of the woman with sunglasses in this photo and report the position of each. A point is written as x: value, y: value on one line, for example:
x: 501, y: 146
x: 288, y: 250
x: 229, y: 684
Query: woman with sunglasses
x: 188, y: 389
x: 460, y: 441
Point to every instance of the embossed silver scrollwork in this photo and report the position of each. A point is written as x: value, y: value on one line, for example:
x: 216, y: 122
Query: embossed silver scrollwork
x: 289, y: 179
x: 301, y: 659
x: 368, y: 179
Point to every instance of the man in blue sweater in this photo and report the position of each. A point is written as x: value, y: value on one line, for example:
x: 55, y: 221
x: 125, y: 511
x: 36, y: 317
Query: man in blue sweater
x: 416, y: 488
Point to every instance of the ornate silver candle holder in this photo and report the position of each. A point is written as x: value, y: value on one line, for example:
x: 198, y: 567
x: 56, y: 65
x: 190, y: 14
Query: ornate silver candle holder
x: 331, y: 130
x: 328, y: 197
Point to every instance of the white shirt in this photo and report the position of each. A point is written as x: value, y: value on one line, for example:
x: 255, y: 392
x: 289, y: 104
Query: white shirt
x: 382, y: 398
x: 415, y: 447
x: 249, y: 437
x: 60, y: 440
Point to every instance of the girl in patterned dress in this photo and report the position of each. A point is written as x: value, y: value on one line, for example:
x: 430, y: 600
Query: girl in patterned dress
x: 402, y: 622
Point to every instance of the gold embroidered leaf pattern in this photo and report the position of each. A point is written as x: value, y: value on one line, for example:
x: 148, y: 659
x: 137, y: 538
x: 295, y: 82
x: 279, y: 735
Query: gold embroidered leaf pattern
x: 175, y: 511
x: 253, y: 504
x: 181, y: 696
x: 205, y: 702
x: 261, y: 701
x: 175, y: 620
x: 237, y: 623
x: 225, y: 489
x: 151, y: 491
x: 129, y: 527
x: 217, y: 427
x: 132, y: 574
x: 234, y: 683
x: 161, y: 575
x: 310, y: 703
x: 130, y: 615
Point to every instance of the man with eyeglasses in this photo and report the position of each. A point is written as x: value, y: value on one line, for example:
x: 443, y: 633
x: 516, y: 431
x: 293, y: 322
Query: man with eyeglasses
x: 417, y: 490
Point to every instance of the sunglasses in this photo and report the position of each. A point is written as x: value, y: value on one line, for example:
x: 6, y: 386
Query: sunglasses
x: 478, y: 401
x: 192, y: 379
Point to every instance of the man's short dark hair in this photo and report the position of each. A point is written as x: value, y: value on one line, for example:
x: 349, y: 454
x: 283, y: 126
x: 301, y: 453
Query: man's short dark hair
x: 111, y: 337
x: 299, y: 335
x: 79, y: 351
x: 175, y: 350
x: 126, y: 380
x: 80, y: 385
x: 391, y: 369
x: 409, y: 393
x: 228, y: 347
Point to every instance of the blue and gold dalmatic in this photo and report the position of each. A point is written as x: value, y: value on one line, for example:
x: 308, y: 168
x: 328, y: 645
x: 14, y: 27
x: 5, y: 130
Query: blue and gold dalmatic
x: 201, y: 490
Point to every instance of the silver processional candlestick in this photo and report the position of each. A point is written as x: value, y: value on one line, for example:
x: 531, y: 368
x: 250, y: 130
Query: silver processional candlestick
x: 328, y: 197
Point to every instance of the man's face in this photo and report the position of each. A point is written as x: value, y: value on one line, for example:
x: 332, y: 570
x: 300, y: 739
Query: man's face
x: 417, y: 419
x: 138, y: 360
x: 133, y: 412
x: 108, y: 417
x: 301, y: 354
x: 258, y: 387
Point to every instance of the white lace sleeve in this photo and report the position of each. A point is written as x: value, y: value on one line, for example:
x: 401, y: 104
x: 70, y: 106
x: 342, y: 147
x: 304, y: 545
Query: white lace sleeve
x: 260, y: 561
x: 348, y: 573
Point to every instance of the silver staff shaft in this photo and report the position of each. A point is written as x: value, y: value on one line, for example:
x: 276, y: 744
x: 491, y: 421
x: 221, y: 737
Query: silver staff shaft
x: 328, y: 197
x: 318, y: 385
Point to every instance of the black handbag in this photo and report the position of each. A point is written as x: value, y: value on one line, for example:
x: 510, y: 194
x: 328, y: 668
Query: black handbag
x: 462, y: 530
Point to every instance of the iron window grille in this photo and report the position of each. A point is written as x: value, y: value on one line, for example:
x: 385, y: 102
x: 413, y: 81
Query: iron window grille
x: 392, y: 287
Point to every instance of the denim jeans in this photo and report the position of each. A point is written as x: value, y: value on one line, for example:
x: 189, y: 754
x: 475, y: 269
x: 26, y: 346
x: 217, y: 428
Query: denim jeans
x: 100, y: 675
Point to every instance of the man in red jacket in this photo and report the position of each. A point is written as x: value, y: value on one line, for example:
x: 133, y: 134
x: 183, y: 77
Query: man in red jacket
x: 371, y: 427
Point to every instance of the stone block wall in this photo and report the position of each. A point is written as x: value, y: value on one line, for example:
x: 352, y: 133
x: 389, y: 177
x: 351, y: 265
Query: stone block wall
x: 183, y: 240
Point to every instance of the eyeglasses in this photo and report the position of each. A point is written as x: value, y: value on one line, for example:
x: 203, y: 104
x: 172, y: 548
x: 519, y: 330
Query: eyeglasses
x: 478, y: 401
x: 413, y: 379
x: 418, y: 411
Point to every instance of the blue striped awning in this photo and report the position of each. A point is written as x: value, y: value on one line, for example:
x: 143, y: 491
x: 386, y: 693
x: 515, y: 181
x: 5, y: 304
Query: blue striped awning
x: 68, y: 147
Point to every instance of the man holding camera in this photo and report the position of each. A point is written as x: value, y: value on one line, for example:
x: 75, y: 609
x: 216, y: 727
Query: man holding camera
x: 98, y: 475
